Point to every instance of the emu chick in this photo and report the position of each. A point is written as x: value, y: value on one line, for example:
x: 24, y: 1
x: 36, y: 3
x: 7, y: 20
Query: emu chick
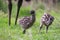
x: 46, y: 20
x: 27, y: 21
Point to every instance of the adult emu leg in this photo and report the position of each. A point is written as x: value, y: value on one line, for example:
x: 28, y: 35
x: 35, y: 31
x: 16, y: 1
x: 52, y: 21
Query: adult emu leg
x: 19, y: 6
x: 10, y: 9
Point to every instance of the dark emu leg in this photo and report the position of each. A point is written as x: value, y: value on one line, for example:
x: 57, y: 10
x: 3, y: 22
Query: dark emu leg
x: 19, y: 6
x: 10, y: 9
x: 47, y: 29
x: 41, y: 26
x: 24, y: 31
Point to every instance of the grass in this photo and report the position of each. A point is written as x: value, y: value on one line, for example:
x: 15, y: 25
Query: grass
x: 14, y: 32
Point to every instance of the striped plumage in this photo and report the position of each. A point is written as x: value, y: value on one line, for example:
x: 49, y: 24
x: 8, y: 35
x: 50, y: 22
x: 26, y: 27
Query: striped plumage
x: 46, y: 20
x: 27, y: 21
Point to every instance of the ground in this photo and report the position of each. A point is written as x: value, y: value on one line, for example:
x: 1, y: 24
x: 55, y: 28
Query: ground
x: 14, y: 32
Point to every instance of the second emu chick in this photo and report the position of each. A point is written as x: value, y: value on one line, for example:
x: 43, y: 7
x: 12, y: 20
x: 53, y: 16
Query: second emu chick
x: 46, y: 20
x: 27, y: 21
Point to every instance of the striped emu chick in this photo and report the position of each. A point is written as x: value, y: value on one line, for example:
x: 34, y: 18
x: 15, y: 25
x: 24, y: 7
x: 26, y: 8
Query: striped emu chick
x: 28, y: 21
x: 46, y: 20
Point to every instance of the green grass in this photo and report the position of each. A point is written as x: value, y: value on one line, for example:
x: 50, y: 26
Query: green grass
x: 14, y: 32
